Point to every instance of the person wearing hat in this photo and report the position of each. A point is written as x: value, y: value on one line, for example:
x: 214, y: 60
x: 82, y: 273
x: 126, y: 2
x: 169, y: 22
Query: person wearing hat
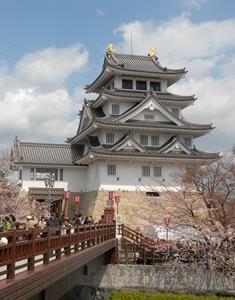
x: 30, y: 222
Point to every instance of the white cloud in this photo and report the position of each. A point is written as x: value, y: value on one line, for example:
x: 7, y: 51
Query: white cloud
x: 195, y: 4
x: 51, y: 65
x: 33, y: 98
x: 100, y: 12
x: 207, y: 50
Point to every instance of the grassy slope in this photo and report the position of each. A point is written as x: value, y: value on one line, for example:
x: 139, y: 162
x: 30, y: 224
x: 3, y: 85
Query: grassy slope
x: 130, y: 295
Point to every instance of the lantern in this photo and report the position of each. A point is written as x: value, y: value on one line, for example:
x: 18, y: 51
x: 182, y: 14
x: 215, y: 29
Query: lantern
x: 167, y: 221
x: 111, y: 195
x: 117, y: 199
x: 67, y: 195
x: 76, y: 198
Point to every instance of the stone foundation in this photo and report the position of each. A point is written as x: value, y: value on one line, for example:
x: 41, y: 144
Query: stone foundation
x: 131, y: 207
x: 162, y: 278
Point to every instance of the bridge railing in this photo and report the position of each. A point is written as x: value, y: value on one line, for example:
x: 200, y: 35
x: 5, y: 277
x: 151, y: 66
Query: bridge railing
x: 37, y: 245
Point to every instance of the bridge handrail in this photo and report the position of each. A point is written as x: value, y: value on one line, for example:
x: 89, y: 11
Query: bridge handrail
x: 27, y: 244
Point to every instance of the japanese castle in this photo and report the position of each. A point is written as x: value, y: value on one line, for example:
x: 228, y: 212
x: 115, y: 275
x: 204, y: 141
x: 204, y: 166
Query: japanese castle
x: 132, y: 137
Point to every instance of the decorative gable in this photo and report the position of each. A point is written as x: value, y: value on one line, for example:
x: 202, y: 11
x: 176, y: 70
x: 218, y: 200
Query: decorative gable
x: 176, y: 146
x: 152, y: 105
x: 129, y: 144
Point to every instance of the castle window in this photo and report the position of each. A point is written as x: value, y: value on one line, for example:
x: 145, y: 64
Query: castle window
x: 144, y: 140
x: 31, y: 173
x: 109, y: 138
x: 111, y: 170
x: 42, y: 173
x: 152, y: 194
x: 20, y: 175
x: 61, y: 174
x: 176, y: 112
x: 141, y: 85
x: 127, y: 84
x: 157, y: 171
x: 154, y: 140
x: 155, y: 86
x: 145, y: 170
x: 149, y: 117
x: 188, y: 142
x: 115, y: 109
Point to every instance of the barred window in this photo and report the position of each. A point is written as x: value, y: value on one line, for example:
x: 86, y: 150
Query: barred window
x: 155, y: 86
x: 32, y: 174
x: 115, y: 109
x: 127, y: 84
x: 144, y: 140
x: 157, y: 171
x: 176, y: 112
x: 111, y: 170
x: 141, y: 85
x: 145, y: 170
x: 109, y: 138
x: 42, y: 173
x: 188, y: 142
x: 154, y: 140
x: 61, y: 174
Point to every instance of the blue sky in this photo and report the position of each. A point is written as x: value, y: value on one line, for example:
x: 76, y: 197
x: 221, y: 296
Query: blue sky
x: 50, y: 49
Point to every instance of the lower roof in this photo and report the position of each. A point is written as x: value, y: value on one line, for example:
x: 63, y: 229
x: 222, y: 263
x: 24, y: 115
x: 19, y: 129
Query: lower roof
x: 47, y: 154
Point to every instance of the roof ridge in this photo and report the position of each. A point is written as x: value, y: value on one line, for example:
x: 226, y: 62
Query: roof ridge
x: 44, y: 144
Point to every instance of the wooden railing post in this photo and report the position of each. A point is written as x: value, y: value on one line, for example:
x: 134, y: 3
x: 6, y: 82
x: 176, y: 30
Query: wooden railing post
x: 46, y: 254
x: 11, y: 266
x: 67, y: 249
x: 58, y: 250
x: 31, y: 260
x: 77, y: 238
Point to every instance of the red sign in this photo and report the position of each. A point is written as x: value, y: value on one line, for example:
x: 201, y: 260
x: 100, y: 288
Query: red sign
x: 111, y: 195
x: 117, y: 199
x: 167, y: 221
x: 76, y: 198
x: 67, y: 195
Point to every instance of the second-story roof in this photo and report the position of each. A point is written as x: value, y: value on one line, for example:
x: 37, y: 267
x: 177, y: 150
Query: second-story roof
x: 47, y: 154
x: 137, y: 96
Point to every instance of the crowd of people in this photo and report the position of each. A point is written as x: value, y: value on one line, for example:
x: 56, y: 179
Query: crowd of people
x: 10, y: 222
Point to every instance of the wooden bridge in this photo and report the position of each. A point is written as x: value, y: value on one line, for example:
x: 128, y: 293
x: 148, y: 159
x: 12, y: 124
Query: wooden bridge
x: 35, y: 259
x: 35, y: 262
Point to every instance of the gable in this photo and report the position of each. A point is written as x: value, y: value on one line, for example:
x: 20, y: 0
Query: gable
x: 150, y: 115
x: 176, y: 146
x: 153, y: 106
x: 128, y: 144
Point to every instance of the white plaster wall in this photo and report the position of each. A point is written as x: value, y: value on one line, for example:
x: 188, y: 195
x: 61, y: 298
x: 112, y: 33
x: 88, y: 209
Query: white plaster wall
x: 107, y: 107
x: 158, y: 116
x: 94, y: 177
x: 74, y: 179
x: 102, y: 135
x: 131, y: 179
x: 162, y: 137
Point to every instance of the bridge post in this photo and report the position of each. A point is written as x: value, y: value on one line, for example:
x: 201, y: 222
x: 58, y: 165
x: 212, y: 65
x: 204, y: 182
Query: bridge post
x: 58, y: 250
x: 67, y: 249
x: 77, y: 238
x: 31, y: 260
x: 46, y: 254
x: 11, y: 266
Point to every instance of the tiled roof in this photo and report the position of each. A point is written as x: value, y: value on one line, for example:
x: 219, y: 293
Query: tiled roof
x: 138, y: 63
x: 48, y: 154
x: 151, y: 151
x: 155, y: 153
x: 133, y: 65
x: 135, y: 96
